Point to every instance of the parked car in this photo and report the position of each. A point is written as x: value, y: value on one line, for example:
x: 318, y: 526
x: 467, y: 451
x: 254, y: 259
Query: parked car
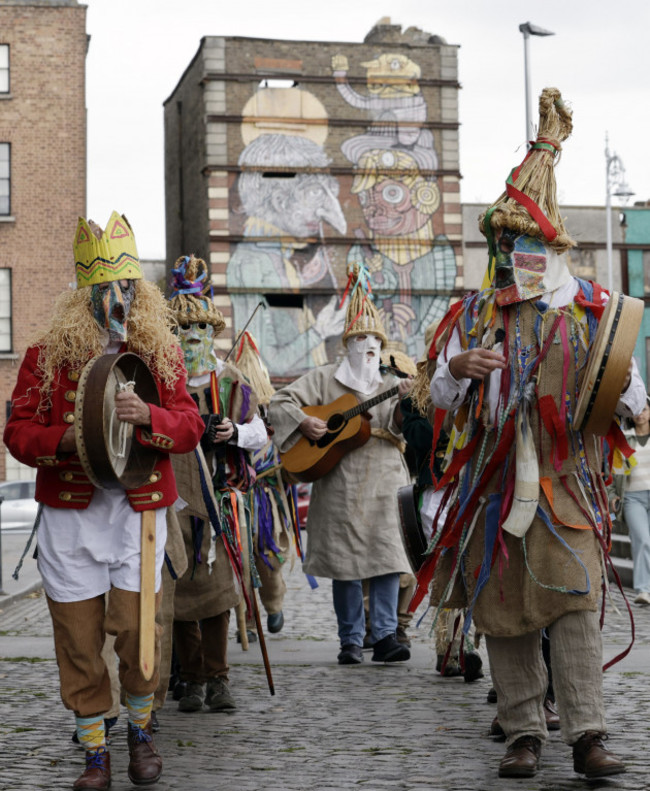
x: 18, y: 507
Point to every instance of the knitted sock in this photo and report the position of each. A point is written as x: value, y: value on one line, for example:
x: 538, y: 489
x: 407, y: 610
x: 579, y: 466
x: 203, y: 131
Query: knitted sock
x: 90, y: 732
x: 139, y: 709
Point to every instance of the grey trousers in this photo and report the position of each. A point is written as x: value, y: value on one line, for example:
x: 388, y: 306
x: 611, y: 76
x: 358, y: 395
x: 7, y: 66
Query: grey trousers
x: 520, y: 678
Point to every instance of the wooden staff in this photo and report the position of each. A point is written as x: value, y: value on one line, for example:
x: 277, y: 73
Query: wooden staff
x: 148, y: 594
x: 260, y: 634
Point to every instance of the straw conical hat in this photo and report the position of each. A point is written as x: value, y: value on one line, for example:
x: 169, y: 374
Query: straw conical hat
x: 188, y: 301
x: 362, y: 315
x: 529, y: 204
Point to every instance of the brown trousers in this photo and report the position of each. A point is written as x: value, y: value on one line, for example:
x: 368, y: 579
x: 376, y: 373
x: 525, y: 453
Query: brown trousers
x: 165, y: 617
x: 80, y: 630
x: 202, y: 650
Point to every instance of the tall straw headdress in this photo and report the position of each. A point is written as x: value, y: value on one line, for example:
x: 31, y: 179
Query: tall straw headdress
x: 529, y: 203
x: 250, y: 363
x: 362, y: 316
x: 189, y: 299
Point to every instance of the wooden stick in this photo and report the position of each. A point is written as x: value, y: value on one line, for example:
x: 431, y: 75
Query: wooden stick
x: 148, y: 593
x: 260, y: 634
x: 241, y: 624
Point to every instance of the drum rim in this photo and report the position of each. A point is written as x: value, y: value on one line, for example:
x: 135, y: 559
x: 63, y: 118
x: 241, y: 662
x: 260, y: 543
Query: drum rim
x: 100, y: 469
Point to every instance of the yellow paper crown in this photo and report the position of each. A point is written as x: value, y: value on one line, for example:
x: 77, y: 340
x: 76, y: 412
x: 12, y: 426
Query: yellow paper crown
x: 102, y: 257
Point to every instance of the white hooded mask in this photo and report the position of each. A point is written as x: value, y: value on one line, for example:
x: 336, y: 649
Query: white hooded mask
x: 360, y: 369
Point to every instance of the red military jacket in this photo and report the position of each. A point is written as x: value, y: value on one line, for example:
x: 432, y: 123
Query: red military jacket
x: 33, y: 436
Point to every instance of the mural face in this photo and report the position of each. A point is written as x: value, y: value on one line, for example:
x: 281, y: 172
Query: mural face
x: 291, y: 204
x: 293, y: 208
x: 398, y: 195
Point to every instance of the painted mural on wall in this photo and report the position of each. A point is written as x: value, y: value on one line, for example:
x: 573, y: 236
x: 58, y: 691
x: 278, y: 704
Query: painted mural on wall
x: 286, y: 214
x: 291, y: 206
x: 398, y: 195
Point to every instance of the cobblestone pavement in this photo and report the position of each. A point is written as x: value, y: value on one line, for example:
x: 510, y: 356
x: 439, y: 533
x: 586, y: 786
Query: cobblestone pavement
x: 328, y: 728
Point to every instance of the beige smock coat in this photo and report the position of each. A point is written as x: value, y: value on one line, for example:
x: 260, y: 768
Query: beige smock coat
x: 207, y: 588
x: 353, y: 522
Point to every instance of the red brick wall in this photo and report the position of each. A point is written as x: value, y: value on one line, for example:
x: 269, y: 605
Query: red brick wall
x: 44, y: 119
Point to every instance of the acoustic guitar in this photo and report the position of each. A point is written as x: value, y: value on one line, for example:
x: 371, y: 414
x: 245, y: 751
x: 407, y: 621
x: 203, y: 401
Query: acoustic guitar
x: 347, y: 428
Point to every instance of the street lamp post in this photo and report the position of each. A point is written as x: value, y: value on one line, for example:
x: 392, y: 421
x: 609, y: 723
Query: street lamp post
x: 528, y: 30
x: 615, y: 178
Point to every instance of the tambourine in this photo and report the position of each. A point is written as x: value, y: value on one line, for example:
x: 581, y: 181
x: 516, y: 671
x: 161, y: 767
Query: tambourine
x: 413, y: 538
x: 608, y: 363
x: 108, y: 451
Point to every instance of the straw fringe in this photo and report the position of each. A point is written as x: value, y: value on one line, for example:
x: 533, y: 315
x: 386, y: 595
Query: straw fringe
x: 252, y: 367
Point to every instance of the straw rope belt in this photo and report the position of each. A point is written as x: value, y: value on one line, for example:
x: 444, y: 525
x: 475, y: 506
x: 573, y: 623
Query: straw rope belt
x: 382, y: 433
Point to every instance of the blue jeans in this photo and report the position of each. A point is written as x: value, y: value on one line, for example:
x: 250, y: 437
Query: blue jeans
x: 636, y: 508
x: 348, y: 606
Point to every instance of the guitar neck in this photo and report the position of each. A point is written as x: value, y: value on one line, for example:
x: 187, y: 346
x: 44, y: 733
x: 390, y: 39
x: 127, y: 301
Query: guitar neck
x: 357, y: 410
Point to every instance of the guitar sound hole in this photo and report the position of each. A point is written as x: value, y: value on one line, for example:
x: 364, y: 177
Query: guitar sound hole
x: 335, y: 422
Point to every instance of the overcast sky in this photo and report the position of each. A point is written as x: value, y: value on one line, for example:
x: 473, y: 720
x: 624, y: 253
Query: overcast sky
x: 598, y: 58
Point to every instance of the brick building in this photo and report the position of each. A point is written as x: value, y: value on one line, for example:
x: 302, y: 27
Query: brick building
x: 43, y: 47
x: 286, y: 162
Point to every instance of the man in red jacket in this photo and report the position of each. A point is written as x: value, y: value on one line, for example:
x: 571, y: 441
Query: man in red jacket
x: 89, y: 538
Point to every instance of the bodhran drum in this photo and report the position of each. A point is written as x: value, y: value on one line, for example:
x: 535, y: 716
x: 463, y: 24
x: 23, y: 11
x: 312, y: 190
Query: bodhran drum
x: 109, y: 453
x: 413, y: 538
x: 608, y: 363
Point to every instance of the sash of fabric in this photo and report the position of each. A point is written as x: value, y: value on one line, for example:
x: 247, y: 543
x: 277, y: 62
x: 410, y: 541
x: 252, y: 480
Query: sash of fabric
x: 555, y: 428
x: 547, y: 488
x: 492, y: 520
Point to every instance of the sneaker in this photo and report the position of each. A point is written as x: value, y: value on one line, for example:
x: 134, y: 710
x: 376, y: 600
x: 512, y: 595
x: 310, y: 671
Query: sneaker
x: 275, y: 622
x: 218, y: 696
x: 402, y: 636
x: 155, y: 725
x: 350, y: 655
x: 389, y: 650
x: 193, y: 698
x: 643, y: 598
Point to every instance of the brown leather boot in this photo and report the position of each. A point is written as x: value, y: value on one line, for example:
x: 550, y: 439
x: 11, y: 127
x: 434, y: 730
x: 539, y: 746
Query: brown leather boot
x: 97, y: 774
x: 590, y: 757
x: 145, y: 764
x: 551, y: 715
x: 521, y: 758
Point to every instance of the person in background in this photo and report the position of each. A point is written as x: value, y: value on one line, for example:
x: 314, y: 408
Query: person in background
x: 418, y: 433
x: 271, y: 504
x: 352, y: 525
x: 214, y: 522
x: 636, y: 503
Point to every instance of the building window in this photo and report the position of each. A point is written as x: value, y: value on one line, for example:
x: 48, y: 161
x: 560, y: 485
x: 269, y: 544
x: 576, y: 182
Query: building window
x: 4, y: 68
x: 5, y: 311
x: 5, y: 179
